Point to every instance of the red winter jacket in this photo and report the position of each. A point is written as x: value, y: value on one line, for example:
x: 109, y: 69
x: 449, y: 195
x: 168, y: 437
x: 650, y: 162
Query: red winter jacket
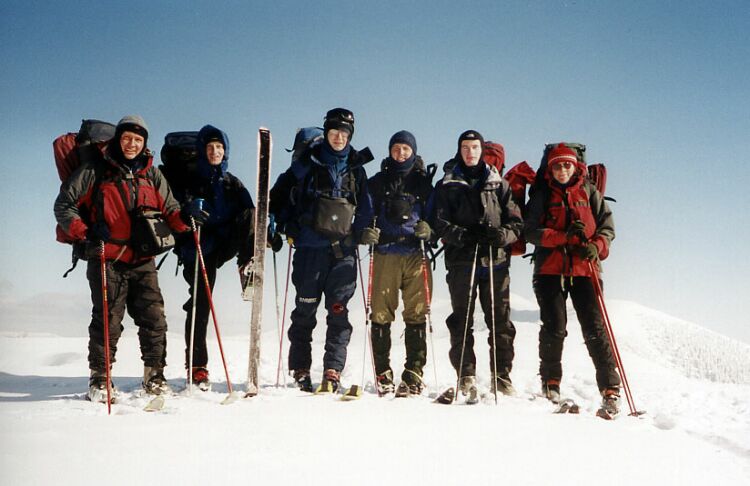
x: 551, y: 210
x: 77, y: 206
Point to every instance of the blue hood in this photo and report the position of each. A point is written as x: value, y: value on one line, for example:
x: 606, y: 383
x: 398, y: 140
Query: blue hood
x: 207, y: 133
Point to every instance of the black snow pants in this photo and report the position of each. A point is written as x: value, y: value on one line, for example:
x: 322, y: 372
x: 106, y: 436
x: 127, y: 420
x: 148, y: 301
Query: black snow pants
x: 551, y: 293
x: 131, y: 287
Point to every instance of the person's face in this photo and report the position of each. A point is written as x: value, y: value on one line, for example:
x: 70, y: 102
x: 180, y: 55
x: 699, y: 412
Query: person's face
x: 214, y: 152
x: 400, y: 152
x: 337, y: 139
x: 131, y: 144
x: 563, y: 171
x: 471, y: 152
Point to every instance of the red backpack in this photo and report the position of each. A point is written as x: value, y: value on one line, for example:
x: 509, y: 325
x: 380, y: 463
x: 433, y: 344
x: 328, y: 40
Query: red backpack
x: 494, y: 154
x: 522, y: 176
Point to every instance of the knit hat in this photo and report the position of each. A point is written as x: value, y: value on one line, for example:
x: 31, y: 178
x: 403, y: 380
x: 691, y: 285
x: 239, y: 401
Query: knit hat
x: 403, y: 137
x: 339, y: 119
x: 132, y: 123
x: 469, y: 135
x: 561, y: 153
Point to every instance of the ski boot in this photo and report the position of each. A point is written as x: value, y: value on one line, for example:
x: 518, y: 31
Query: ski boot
x: 384, y: 383
x: 200, y: 378
x: 154, y: 382
x: 551, y: 390
x: 330, y: 382
x: 610, y: 404
x: 303, y: 381
x: 469, y: 389
x: 98, y: 388
x: 411, y: 384
x: 502, y: 384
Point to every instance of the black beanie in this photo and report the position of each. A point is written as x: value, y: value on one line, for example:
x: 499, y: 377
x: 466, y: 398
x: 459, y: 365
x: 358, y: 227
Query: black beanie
x: 404, y: 137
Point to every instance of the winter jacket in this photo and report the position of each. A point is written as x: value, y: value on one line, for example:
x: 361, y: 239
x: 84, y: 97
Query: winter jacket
x: 460, y: 205
x: 224, y: 195
x: 397, y: 194
x: 294, y: 196
x: 121, y: 191
x: 550, y: 212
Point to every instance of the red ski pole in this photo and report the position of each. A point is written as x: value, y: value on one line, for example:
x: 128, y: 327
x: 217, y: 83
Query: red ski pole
x: 210, y: 301
x: 611, y: 336
x: 105, y: 320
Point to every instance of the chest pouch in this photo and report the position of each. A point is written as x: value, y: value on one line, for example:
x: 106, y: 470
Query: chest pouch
x: 332, y: 217
x: 150, y: 235
x: 398, y: 211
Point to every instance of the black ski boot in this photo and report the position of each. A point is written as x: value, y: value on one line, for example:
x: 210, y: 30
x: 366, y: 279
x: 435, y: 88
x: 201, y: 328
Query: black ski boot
x: 154, y: 382
x: 98, y: 388
x: 384, y: 382
x: 303, y: 381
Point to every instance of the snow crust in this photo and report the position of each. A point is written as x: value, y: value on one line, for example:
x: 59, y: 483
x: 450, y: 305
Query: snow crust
x: 693, y: 384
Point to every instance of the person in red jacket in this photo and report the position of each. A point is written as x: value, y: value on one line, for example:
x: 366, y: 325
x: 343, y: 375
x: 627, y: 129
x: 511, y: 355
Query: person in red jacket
x: 570, y: 222
x: 97, y: 204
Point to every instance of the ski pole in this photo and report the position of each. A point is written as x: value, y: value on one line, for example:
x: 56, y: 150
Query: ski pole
x: 210, y: 302
x: 611, y: 336
x: 272, y: 227
x: 105, y: 320
x: 492, y: 319
x: 195, y: 298
x: 368, y: 337
x: 468, y: 313
x: 283, y: 315
x: 428, y: 303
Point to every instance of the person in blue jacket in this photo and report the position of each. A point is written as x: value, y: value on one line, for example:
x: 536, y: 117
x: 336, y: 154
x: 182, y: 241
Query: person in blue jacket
x: 322, y: 205
x: 220, y: 204
x: 400, y: 194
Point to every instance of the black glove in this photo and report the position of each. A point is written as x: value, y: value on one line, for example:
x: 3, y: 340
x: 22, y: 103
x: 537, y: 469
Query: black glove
x: 459, y: 236
x: 422, y: 230
x: 493, y: 236
x: 577, y: 228
x: 195, y: 210
x: 274, y: 241
x: 291, y: 229
x: 99, y: 231
x: 588, y: 252
x: 369, y: 236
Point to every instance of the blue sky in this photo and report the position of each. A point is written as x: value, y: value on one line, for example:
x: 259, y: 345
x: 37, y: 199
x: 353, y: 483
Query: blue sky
x: 657, y: 90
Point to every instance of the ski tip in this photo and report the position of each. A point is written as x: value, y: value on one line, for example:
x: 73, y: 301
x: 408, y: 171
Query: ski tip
x: 447, y: 397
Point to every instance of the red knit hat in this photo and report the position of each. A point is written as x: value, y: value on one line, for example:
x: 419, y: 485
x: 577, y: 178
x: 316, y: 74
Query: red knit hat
x: 561, y: 153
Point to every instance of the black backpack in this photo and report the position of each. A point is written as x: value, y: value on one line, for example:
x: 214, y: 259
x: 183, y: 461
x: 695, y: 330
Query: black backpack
x: 179, y: 156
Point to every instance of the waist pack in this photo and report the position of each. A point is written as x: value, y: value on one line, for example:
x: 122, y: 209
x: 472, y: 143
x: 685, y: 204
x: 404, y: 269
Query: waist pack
x: 332, y: 217
x: 150, y: 235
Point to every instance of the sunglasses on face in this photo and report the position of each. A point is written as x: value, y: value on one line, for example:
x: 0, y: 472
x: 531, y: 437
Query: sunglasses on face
x: 562, y: 165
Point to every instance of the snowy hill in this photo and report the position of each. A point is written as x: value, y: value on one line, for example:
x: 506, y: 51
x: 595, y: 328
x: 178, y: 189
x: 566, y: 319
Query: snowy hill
x: 694, y: 384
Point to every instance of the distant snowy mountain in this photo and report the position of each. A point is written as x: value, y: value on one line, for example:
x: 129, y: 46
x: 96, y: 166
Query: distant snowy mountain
x: 693, y: 384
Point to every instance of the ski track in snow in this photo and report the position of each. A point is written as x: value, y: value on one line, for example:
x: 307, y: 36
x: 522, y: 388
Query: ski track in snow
x: 693, y: 384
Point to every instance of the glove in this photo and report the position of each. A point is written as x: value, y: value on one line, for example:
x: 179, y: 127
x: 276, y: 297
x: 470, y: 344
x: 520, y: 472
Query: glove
x: 369, y: 236
x: 588, y: 252
x: 422, y: 230
x: 576, y: 228
x: 195, y: 210
x: 291, y: 229
x: 274, y: 241
x: 459, y: 236
x: 493, y: 236
x: 99, y: 231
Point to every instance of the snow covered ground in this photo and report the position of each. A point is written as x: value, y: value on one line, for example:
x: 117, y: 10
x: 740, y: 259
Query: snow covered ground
x: 694, y: 385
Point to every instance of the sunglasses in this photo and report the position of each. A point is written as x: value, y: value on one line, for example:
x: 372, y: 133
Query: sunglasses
x: 562, y: 165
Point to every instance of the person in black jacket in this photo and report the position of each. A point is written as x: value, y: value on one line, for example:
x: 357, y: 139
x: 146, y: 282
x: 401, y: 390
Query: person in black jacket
x: 477, y: 220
